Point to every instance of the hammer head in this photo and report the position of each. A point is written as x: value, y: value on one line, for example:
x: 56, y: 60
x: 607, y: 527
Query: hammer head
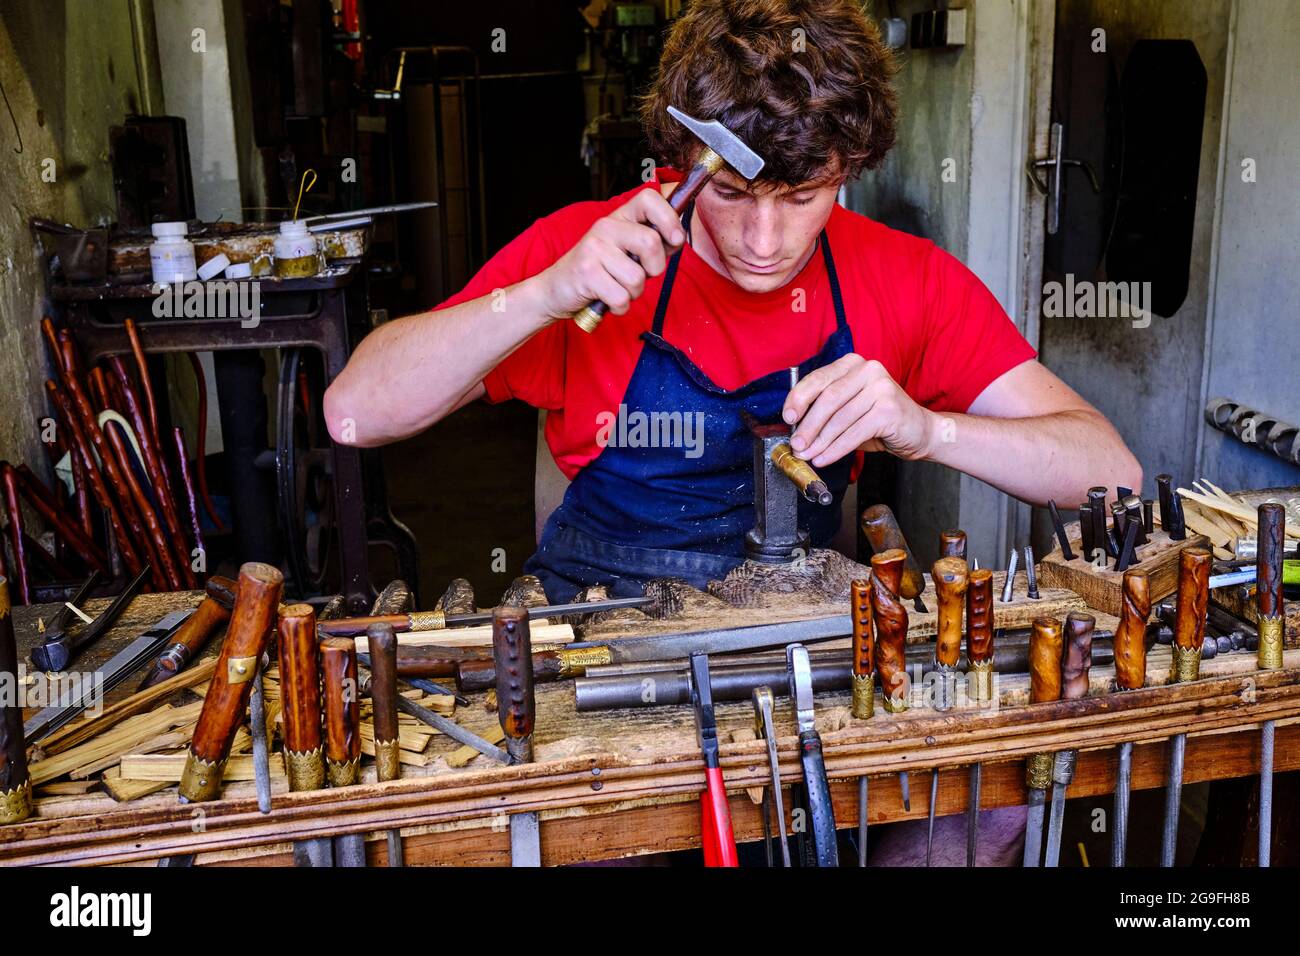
x: 722, y: 141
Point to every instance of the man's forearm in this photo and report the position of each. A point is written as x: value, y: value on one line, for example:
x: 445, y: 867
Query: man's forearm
x: 413, y: 371
x: 1058, y: 456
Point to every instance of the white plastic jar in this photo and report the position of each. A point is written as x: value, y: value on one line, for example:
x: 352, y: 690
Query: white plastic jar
x: 297, y: 253
x: 171, y: 256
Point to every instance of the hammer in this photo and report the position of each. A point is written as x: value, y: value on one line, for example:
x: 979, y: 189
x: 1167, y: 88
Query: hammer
x: 721, y: 148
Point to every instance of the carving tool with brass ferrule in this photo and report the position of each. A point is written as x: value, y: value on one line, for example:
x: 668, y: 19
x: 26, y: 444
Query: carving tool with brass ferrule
x: 1271, y: 521
x: 438, y: 620
x: 300, y: 718
x: 1189, y: 635
x: 16, y: 802
x: 816, y: 788
x: 1074, y: 686
x: 382, y: 643
x: 1067, y: 553
x: 884, y: 534
x: 765, y: 729
x: 721, y: 149
x: 1130, y: 674
x: 341, y: 706
x: 58, y: 647
x: 226, y: 700
x: 1045, y: 645
x: 864, y: 685
x: 212, y: 613
x: 890, y: 618
x: 979, y: 669
x: 517, y: 711
x: 717, y: 839
x: 951, y: 579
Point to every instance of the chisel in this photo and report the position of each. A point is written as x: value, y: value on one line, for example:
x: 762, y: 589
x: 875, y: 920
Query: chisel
x: 1074, y: 686
x: 1271, y: 521
x: 1044, y: 685
x: 979, y: 662
x: 765, y: 730
x: 951, y: 577
x: 517, y: 710
x: 1130, y: 674
x: 890, y: 617
x: 864, y: 686
x: 1189, y: 635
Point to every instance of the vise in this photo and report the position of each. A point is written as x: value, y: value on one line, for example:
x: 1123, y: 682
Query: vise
x: 779, y: 478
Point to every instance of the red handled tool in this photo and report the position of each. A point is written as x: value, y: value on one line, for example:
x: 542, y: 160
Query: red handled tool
x: 715, y: 814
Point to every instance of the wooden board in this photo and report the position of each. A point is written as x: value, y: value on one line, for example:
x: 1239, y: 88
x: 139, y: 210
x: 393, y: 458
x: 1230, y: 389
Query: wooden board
x: 1104, y: 589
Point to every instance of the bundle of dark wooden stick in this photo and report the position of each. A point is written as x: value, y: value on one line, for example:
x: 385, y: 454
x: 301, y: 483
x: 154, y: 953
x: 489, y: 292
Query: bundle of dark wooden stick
x: 122, y: 512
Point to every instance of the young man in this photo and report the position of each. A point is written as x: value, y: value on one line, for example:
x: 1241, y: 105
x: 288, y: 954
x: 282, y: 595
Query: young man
x: 899, y: 347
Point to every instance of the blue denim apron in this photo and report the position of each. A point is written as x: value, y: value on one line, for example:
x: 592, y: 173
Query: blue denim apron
x: 672, y: 492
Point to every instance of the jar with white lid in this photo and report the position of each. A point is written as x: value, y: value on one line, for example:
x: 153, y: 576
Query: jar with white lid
x: 171, y: 255
x: 297, y: 253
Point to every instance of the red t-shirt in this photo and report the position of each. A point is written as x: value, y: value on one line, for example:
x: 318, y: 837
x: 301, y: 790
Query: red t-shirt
x: 926, y: 317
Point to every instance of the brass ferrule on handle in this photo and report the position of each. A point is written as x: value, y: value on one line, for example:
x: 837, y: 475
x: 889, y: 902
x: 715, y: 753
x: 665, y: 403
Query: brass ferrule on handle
x: 574, y: 663
x: 1271, y: 630
x: 1038, y: 771
x: 864, y: 696
x: 979, y: 678
x: 801, y: 474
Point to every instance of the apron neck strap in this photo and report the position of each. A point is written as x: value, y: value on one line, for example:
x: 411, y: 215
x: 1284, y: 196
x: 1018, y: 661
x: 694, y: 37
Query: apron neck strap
x: 670, y: 277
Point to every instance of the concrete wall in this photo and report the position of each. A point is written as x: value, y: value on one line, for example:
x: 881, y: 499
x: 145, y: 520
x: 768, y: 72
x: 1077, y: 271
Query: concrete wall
x: 69, y: 71
x: 1254, y: 331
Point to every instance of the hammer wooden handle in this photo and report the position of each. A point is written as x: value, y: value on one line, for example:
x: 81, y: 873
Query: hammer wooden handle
x: 706, y: 165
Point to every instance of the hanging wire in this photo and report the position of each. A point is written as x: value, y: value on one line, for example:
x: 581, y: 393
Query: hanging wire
x: 304, y: 187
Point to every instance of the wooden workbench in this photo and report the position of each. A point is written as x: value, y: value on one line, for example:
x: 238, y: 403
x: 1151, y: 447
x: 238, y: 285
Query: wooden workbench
x: 624, y: 783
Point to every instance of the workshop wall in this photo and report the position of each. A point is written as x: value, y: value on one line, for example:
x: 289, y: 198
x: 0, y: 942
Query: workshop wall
x: 1254, y: 335
x: 69, y: 69
x: 911, y: 192
x: 1147, y: 381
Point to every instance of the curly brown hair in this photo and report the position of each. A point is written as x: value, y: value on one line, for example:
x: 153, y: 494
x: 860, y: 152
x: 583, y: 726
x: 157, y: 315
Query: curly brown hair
x: 805, y: 101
